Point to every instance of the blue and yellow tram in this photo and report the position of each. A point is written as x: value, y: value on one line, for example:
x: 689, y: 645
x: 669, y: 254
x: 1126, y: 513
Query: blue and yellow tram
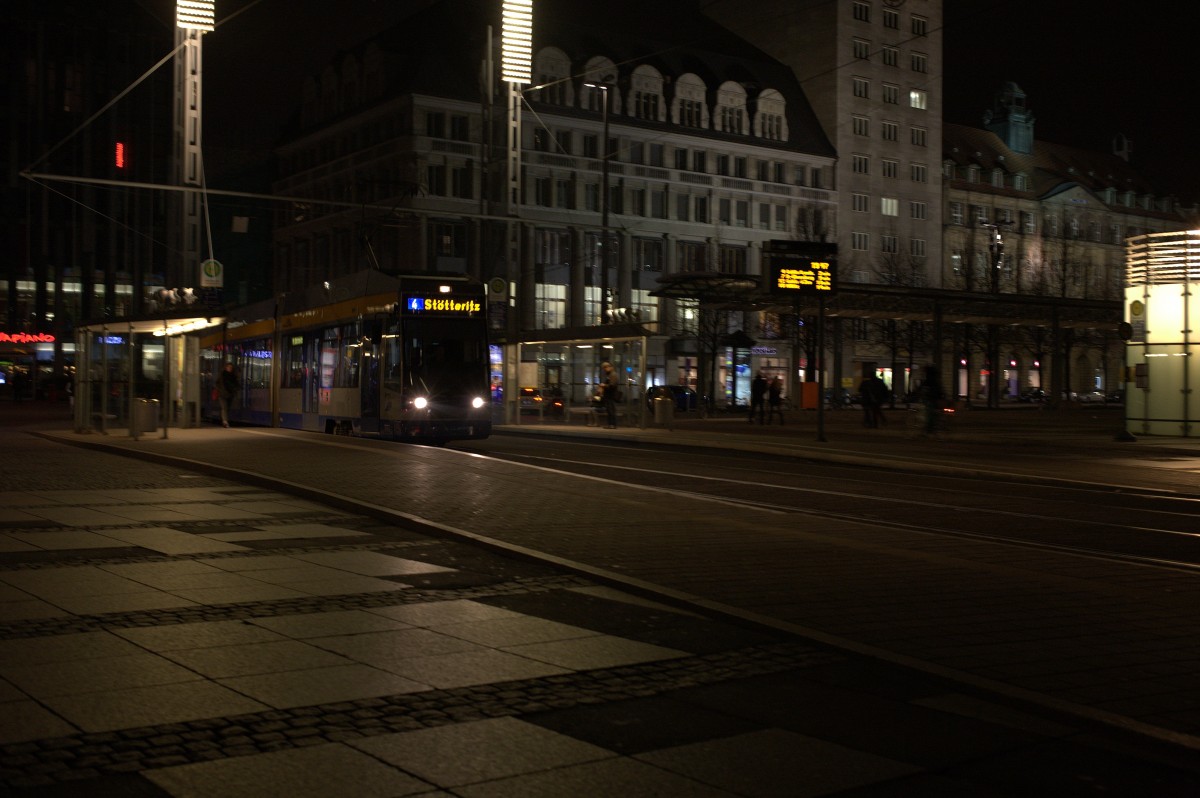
x: 408, y: 363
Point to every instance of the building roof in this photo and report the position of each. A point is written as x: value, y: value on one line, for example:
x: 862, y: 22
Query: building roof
x: 439, y: 52
x: 1050, y: 168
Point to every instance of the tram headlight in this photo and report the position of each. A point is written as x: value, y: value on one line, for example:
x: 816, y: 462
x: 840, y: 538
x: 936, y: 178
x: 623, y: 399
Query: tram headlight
x: 477, y: 402
x: 420, y: 403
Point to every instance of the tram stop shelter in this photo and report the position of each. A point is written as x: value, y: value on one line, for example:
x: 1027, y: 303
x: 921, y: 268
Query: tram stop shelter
x: 138, y: 375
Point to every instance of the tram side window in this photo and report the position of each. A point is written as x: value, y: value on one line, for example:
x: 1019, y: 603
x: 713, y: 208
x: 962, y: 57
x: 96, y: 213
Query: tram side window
x: 256, y: 364
x: 340, y: 348
x: 294, y: 367
x: 392, y: 347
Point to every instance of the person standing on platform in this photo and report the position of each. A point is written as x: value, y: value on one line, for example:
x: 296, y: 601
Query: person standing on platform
x: 758, y: 397
x: 227, y: 388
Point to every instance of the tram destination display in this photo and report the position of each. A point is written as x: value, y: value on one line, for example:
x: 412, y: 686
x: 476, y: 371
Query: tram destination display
x: 800, y: 268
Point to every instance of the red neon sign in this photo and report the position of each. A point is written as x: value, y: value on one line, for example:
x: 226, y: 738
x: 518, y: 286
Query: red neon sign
x: 119, y: 155
x: 26, y: 338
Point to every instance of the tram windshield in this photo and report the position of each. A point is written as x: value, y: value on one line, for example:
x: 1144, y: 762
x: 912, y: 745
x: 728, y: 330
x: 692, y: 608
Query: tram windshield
x: 440, y: 356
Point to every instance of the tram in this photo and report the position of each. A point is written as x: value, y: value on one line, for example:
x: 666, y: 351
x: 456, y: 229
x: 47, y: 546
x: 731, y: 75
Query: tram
x: 405, y: 359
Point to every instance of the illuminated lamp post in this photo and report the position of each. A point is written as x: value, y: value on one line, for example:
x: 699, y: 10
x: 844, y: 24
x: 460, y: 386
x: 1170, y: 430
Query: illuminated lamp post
x: 516, y: 69
x: 193, y: 18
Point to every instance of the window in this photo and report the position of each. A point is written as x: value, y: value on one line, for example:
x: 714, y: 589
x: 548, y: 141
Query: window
x: 920, y: 26
x: 645, y: 105
x: 656, y: 155
x: 435, y: 125
x: 691, y: 113
x: 461, y: 182
x: 742, y: 211
x: 919, y: 172
x: 550, y: 306
x: 637, y: 202
x: 542, y: 192
x: 891, y: 94
x: 764, y: 216
x: 1020, y: 183
x: 723, y: 165
x: 733, y: 259
x: 920, y: 62
x: 541, y: 139
x: 740, y: 165
x: 683, y: 206
x: 919, y: 135
x: 693, y: 256
x: 681, y: 159
x: 699, y: 161
x: 701, y: 210
x: 862, y: 126
x: 724, y: 211
x: 890, y: 131
x: 591, y: 197
x: 917, y: 99
x: 891, y: 56
x: 889, y: 245
x: 916, y: 247
x: 891, y: 18
x: 889, y: 206
x: 862, y: 48
x: 591, y: 146
x: 860, y: 202
x: 981, y: 215
x: 918, y: 210
x: 781, y: 217
x: 862, y: 12
x: 862, y: 88
x: 861, y: 164
x: 998, y: 178
x: 436, y: 176
x: 777, y: 171
x: 860, y: 242
x: 658, y: 203
x: 460, y: 128
x: 956, y: 213
x: 1028, y: 223
x: 890, y: 167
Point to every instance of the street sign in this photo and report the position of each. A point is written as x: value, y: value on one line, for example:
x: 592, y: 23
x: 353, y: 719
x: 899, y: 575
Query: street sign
x: 212, y: 274
x: 800, y: 267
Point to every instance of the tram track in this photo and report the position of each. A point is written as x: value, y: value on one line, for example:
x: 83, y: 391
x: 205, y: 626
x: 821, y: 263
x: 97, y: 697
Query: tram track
x: 1166, y: 511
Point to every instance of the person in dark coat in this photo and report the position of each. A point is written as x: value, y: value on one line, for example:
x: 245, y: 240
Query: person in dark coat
x: 775, y: 400
x: 758, y: 398
x: 227, y: 388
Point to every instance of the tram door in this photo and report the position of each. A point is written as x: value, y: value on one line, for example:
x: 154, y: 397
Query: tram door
x: 369, y: 383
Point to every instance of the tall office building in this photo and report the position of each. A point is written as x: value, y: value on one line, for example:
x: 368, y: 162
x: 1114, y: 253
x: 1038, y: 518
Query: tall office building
x: 872, y: 70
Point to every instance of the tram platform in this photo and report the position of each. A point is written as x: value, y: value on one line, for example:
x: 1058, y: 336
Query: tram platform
x: 235, y: 611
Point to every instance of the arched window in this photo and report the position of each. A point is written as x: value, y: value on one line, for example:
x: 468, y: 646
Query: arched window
x: 552, y: 71
x: 731, y: 108
x: 646, y: 100
x: 689, y: 108
x: 770, y: 118
x: 600, y: 71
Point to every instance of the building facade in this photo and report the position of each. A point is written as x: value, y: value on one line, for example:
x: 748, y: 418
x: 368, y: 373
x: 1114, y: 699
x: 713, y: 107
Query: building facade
x: 640, y: 158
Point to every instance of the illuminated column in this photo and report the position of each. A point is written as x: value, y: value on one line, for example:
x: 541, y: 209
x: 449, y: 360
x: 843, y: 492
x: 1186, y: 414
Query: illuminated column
x: 1162, y: 305
x: 516, y: 69
x: 193, y: 18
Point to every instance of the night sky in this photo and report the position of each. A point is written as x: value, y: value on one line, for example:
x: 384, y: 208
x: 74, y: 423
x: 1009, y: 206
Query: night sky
x: 1090, y: 69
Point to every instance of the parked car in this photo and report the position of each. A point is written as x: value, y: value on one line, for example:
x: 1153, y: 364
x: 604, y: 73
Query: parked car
x: 1034, y: 395
x: 1092, y: 396
x: 532, y: 401
x: 685, y: 398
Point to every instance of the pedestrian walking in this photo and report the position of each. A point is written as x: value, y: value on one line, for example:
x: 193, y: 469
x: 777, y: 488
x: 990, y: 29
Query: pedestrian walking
x: 775, y: 400
x: 758, y: 398
x: 880, y: 395
x: 227, y: 389
x: 610, y: 393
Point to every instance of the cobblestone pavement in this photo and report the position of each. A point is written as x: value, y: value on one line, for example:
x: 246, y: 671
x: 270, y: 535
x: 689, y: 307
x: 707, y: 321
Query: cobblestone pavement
x: 168, y: 631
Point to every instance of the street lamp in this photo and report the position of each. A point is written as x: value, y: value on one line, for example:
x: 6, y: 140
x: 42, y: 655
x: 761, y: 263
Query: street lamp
x: 603, y: 88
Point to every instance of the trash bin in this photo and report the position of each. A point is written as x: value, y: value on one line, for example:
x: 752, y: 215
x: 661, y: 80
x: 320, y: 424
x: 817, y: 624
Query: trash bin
x: 145, y: 416
x: 664, y: 410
